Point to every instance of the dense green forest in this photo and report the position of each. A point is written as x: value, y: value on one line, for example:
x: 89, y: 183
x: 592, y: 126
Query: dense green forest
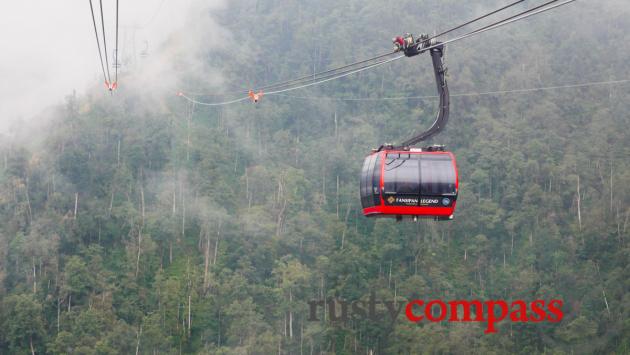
x: 140, y: 223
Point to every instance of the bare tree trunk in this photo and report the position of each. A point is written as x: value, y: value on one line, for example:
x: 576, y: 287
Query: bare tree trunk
x: 140, y: 231
x: 58, y: 314
x: 34, y: 277
x: 28, y: 203
x: 297, y: 150
x: 280, y: 218
x: 183, y: 213
x: 111, y: 201
x: 32, y: 348
x: 219, y: 330
x: 174, y: 211
x: 189, y: 313
x: 336, y: 130
x: 206, y: 261
x: 280, y: 192
x: 345, y: 226
x: 606, y: 302
x: 618, y: 225
x: 611, y: 186
x: 247, y: 185
x: 76, y: 204
x: 139, y: 251
x: 216, y: 245
x: 138, y: 335
x: 601, y: 176
x: 142, y: 203
x: 118, y: 154
x: 324, y: 185
x: 188, y: 132
x: 290, y: 315
x: 389, y: 278
x: 579, y: 211
x: 337, y: 196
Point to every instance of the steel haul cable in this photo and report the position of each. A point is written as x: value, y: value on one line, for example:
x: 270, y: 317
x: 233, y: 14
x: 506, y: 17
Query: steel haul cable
x: 211, y: 103
x: 483, y: 29
x: 469, y: 94
x: 476, y: 19
x: 520, y: 16
x: 306, y: 78
x: 337, y: 76
x: 116, y: 49
x: 109, y: 78
x: 314, y: 76
x: 98, y: 42
x: 516, y: 17
x: 523, y: 15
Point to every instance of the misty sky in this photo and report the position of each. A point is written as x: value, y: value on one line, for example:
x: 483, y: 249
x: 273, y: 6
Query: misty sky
x: 49, y: 48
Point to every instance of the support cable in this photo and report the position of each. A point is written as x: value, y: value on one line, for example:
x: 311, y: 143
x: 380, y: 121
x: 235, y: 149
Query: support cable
x: 109, y: 78
x: 347, y: 73
x: 116, y: 64
x: 313, y: 77
x: 520, y: 16
x: 468, y: 94
x: 98, y: 42
x: 476, y: 19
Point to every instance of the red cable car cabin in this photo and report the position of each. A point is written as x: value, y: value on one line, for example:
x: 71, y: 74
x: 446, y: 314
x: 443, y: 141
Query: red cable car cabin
x: 413, y: 183
x: 399, y: 181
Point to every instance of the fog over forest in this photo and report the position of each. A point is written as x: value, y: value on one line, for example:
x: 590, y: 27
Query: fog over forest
x: 173, y: 215
x: 50, y: 48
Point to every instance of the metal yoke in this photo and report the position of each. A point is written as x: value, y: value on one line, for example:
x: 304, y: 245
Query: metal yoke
x: 437, y: 52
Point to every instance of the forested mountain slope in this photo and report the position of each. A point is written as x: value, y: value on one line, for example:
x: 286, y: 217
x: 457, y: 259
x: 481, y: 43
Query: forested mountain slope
x: 141, y: 223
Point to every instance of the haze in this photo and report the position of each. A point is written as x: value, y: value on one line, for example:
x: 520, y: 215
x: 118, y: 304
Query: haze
x: 49, y: 48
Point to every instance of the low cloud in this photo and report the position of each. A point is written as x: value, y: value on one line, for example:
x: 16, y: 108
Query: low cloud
x: 49, y: 49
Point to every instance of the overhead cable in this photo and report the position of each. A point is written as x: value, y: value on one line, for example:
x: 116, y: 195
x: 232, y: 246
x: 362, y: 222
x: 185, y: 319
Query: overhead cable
x: 314, y: 76
x: 476, y: 19
x: 109, y: 78
x: 116, y: 49
x: 469, y: 94
x: 523, y: 15
x: 98, y: 42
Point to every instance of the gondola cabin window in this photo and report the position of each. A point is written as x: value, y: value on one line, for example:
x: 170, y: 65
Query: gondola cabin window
x: 409, y: 183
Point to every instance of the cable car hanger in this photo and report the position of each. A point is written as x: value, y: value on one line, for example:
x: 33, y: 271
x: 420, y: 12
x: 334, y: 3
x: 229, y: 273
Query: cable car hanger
x: 412, y: 48
x: 423, y: 43
x: 399, y: 182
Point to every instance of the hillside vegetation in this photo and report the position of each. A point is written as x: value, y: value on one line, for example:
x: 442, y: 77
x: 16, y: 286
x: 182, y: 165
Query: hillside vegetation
x: 139, y: 223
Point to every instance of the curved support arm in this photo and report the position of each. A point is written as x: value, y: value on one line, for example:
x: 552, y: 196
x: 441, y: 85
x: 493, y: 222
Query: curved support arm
x: 442, y: 87
x: 437, y: 53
